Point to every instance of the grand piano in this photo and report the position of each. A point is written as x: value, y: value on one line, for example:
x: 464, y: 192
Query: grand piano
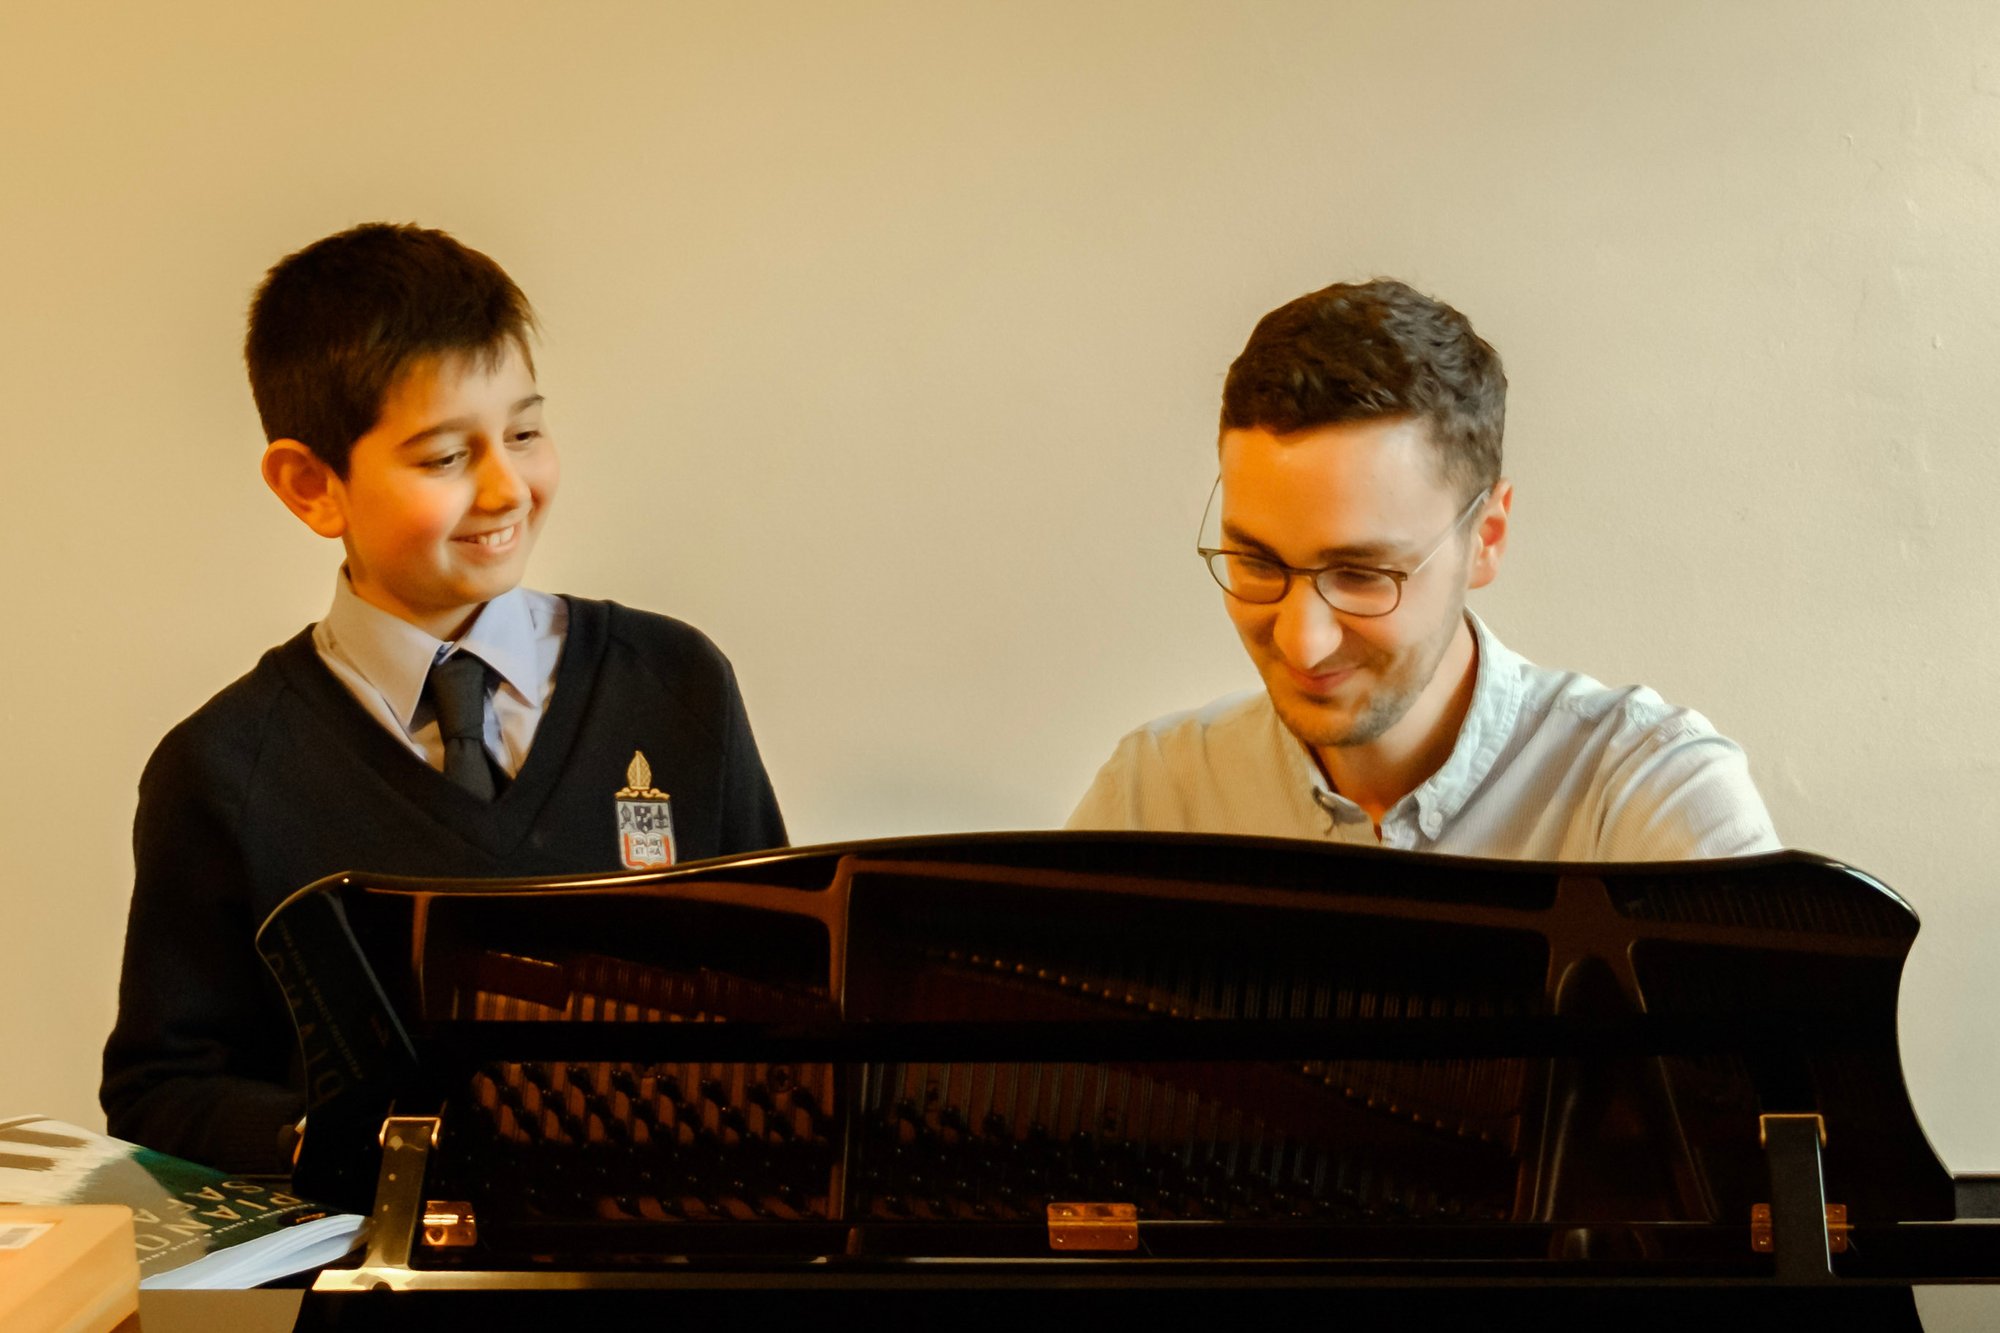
x: 991, y: 1079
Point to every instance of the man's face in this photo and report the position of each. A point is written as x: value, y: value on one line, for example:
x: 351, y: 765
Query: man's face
x: 1365, y: 493
x: 444, y: 497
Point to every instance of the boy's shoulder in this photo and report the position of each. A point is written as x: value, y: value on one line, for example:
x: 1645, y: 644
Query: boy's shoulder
x: 661, y: 659
x: 662, y: 644
x: 232, y: 726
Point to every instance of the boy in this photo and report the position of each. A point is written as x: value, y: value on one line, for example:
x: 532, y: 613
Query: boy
x: 441, y: 720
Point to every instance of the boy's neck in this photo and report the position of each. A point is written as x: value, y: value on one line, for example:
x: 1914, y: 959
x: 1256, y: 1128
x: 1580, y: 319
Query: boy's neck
x: 447, y: 625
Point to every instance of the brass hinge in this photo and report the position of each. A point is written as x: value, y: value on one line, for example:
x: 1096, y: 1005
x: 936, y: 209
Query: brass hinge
x: 449, y: 1224
x: 1764, y: 1125
x: 1093, y: 1226
x: 1760, y: 1228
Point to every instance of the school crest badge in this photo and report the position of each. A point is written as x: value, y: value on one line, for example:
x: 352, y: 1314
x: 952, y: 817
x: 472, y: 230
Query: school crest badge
x: 645, y: 820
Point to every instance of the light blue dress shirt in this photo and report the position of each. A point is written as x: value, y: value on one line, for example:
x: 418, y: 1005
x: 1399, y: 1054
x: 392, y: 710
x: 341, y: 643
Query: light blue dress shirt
x: 1548, y: 766
x: 384, y: 661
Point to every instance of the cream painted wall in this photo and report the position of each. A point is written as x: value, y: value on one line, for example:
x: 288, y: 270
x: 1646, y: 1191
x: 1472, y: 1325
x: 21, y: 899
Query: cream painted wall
x: 884, y: 343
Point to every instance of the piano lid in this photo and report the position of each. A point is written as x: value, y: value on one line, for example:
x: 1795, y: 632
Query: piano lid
x: 958, y: 1032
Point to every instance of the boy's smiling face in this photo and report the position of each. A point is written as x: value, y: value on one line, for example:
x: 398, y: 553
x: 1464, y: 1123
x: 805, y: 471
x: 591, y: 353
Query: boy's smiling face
x: 444, y: 497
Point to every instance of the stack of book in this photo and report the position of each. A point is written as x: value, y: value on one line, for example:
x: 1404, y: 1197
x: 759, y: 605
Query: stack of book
x: 67, y: 1270
x: 192, y: 1227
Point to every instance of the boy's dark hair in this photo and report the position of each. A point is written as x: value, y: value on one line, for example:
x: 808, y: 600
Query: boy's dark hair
x: 334, y: 326
x: 1357, y: 351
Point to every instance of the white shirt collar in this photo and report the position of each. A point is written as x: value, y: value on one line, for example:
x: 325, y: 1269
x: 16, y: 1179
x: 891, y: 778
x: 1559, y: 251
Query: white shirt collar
x: 396, y: 657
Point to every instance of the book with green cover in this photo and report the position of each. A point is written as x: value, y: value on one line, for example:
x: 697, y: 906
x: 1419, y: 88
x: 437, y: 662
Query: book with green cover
x: 195, y: 1226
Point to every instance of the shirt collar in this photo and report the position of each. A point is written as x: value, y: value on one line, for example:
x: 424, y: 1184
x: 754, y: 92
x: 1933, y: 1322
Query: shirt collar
x: 1489, y: 721
x: 396, y: 657
x: 1299, y: 758
x: 503, y: 634
x: 1303, y: 770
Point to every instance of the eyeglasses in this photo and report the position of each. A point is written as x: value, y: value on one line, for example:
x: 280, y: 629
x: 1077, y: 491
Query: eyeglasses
x: 1355, y: 590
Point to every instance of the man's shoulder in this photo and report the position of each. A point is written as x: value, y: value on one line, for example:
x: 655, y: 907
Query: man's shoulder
x: 1198, y: 749
x: 1577, y: 700
x: 1233, y: 719
x: 1664, y: 784
x: 1229, y: 766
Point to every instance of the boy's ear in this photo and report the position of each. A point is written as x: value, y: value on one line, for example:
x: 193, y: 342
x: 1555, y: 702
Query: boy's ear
x: 309, y: 488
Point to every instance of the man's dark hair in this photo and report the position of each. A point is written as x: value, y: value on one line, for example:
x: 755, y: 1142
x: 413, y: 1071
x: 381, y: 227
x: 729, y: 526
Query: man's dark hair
x: 1358, y: 351
x: 334, y: 326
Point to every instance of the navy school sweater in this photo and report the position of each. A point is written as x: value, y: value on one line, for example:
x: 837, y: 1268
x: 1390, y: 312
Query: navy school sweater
x: 283, y: 778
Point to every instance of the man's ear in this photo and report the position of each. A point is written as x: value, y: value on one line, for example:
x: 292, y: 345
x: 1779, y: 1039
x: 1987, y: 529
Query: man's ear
x: 1489, y: 534
x: 309, y: 488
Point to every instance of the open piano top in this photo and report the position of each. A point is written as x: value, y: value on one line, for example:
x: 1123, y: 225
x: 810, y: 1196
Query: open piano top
x: 1137, y: 1053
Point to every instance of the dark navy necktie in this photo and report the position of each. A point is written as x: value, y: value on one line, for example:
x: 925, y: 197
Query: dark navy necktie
x: 458, y: 691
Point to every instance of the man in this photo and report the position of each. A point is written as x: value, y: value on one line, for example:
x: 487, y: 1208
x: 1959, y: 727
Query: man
x: 1360, y: 498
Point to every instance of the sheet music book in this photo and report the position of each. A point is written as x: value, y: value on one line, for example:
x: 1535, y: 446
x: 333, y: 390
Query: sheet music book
x: 194, y: 1227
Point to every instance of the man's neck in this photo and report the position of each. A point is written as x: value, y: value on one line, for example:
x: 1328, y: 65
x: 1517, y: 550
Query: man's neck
x: 1382, y: 772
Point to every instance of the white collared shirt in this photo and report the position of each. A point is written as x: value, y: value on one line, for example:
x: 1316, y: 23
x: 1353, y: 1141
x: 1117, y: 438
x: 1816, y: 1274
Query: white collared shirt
x: 384, y: 661
x: 1548, y: 766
